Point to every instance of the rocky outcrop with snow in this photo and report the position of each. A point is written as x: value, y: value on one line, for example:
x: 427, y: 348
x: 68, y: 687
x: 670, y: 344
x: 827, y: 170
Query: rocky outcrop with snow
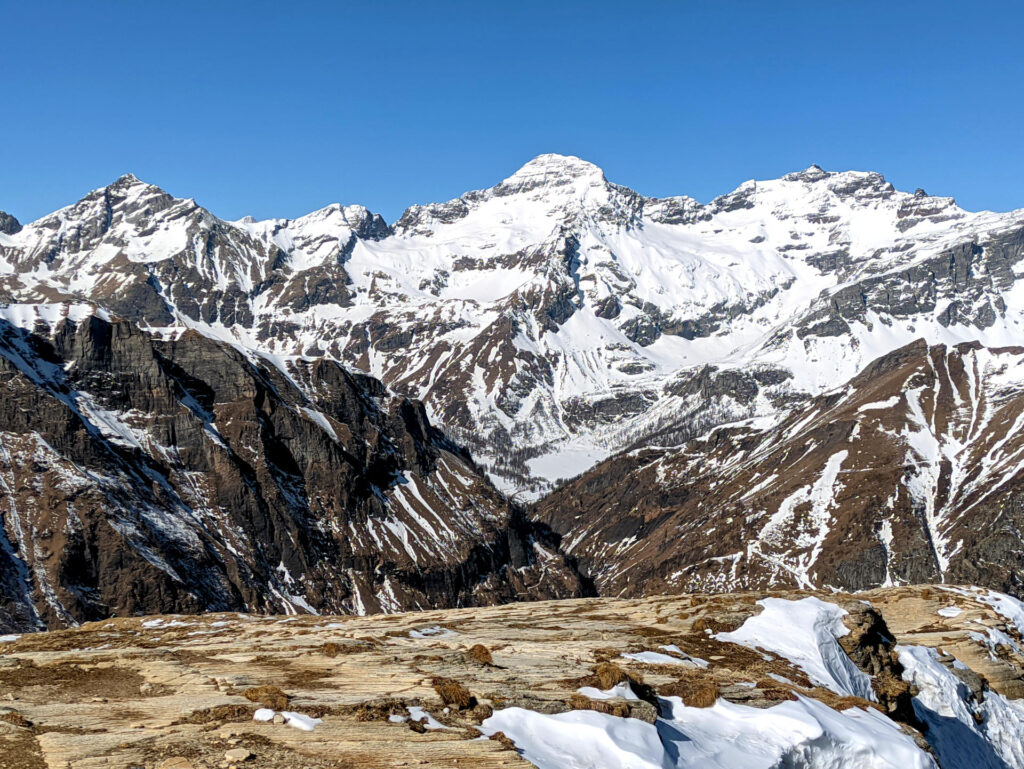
x: 898, y: 678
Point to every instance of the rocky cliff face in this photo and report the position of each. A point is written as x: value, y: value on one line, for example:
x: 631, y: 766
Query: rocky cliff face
x: 8, y: 224
x: 911, y: 472
x: 143, y: 475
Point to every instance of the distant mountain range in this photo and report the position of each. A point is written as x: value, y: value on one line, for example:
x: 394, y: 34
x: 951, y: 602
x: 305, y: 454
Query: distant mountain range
x: 809, y: 381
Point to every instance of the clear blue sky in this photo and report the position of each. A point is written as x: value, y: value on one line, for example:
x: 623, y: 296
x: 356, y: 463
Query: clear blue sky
x: 275, y: 109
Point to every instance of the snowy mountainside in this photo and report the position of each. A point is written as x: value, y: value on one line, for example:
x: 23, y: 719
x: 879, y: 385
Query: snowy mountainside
x: 555, y: 318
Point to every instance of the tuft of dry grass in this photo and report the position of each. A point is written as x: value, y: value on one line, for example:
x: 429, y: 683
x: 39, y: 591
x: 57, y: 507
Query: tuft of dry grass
x: 219, y: 714
x: 377, y: 709
x: 482, y: 712
x: 609, y: 674
x: 330, y: 649
x: 618, y: 708
x: 840, y: 701
x: 697, y: 690
x: 722, y: 623
x: 480, y: 654
x: 889, y: 687
x: 267, y: 696
x: 504, y: 740
x: 21, y: 751
x: 333, y: 649
x: 16, y: 718
x: 452, y: 692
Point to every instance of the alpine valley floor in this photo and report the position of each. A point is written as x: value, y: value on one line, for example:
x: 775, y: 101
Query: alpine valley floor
x: 901, y: 677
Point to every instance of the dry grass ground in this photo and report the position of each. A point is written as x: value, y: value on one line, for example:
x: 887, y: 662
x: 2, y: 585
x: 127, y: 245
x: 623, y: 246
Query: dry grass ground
x: 179, y: 694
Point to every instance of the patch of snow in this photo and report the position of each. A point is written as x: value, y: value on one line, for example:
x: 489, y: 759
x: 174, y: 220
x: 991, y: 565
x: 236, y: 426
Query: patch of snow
x: 435, y: 631
x: 657, y: 658
x: 1010, y: 608
x: 878, y: 405
x: 622, y: 690
x: 806, y: 633
x: 950, y: 611
x: 299, y: 721
x: 417, y: 713
x: 804, y: 734
x: 695, y: 660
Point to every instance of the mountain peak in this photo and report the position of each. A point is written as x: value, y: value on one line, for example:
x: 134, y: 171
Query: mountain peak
x: 813, y: 173
x: 553, y: 162
x: 128, y: 180
x: 132, y: 186
x: 551, y: 170
x: 9, y: 225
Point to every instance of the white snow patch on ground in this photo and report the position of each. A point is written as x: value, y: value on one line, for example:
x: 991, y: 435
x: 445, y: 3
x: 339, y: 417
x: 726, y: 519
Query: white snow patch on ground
x: 805, y: 632
x: 567, y: 461
x: 695, y: 660
x: 950, y: 611
x: 580, y: 739
x: 804, y: 734
x: 1009, y: 607
x: 435, y: 631
x: 622, y: 690
x: 877, y: 405
x: 417, y: 713
x: 657, y: 658
x: 299, y: 721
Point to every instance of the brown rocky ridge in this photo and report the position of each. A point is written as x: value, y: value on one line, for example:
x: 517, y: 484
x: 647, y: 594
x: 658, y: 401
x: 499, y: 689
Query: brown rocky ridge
x: 911, y: 472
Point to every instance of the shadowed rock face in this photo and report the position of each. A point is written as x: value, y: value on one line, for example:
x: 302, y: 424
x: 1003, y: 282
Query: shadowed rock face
x: 140, y: 475
x: 8, y: 224
x: 911, y: 472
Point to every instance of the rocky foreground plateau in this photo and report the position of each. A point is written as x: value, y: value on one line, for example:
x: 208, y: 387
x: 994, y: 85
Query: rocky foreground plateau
x: 908, y: 676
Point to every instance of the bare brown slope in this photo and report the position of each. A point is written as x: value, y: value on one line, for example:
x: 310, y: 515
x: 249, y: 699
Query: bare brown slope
x: 909, y: 473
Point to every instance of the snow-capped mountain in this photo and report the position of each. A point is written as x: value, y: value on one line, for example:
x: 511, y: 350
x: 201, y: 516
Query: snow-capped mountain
x: 555, y: 318
x: 548, y: 323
